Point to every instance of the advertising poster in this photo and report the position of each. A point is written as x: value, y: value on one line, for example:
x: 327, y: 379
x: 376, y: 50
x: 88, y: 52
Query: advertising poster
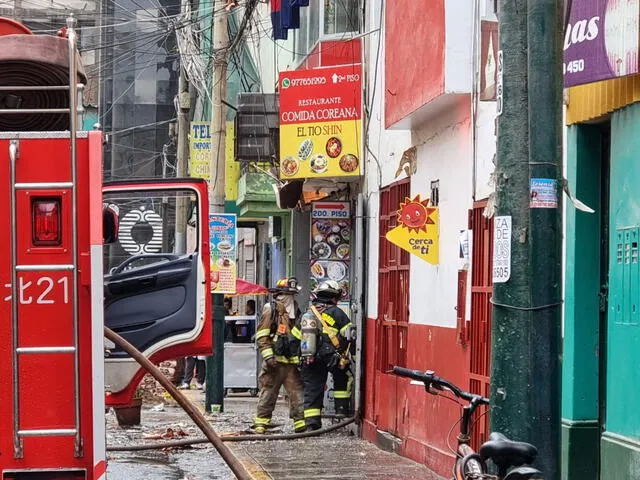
x: 320, y: 122
x: 223, y: 239
x: 199, y: 149
x: 601, y: 41
x: 418, y: 229
x: 331, y: 244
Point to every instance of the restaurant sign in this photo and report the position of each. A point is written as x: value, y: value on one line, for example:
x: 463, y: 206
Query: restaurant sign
x: 601, y: 41
x: 320, y: 122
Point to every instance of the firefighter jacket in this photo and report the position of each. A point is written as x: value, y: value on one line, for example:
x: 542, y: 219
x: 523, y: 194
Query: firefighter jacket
x: 273, y: 335
x: 334, y: 323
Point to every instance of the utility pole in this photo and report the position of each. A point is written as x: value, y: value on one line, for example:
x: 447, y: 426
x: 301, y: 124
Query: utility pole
x: 182, y: 154
x: 526, y: 341
x: 214, y: 394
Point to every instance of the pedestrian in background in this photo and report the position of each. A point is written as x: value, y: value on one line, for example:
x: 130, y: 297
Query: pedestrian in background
x: 200, y: 366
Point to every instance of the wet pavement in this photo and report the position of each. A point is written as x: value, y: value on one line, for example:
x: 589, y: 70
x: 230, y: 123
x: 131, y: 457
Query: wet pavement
x: 336, y: 455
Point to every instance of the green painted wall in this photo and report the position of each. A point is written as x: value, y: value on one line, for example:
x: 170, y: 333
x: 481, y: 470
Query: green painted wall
x: 623, y: 333
x: 582, y: 278
x: 580, y: 432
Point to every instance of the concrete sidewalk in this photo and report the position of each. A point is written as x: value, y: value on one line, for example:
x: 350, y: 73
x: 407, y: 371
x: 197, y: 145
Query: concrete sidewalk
x: 335, y: 455
x: 331, y: 456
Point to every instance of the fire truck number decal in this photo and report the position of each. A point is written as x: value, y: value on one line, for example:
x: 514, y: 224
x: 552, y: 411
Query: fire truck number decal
x: 42, y: 291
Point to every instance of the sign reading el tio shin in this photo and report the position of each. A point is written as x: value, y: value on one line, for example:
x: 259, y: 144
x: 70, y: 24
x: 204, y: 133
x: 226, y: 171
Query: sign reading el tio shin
x: 320, y: 122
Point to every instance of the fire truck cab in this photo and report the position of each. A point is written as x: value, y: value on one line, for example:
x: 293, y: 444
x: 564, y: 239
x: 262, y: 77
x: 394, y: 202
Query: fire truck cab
x: 62, y: 283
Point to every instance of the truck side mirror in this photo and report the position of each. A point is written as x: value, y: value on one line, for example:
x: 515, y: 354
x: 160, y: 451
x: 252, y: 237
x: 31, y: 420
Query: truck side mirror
x: 110, y: 222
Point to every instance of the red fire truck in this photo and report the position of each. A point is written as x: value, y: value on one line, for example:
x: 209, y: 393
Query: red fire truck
x: 78, y: 254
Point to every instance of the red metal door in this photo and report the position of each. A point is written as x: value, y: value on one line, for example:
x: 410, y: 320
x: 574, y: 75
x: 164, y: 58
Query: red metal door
x: 393, y: 309
x: 480, y: 328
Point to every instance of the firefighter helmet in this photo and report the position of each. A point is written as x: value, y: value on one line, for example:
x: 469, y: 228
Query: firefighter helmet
x: 286, y: 285
x: 329, y: 289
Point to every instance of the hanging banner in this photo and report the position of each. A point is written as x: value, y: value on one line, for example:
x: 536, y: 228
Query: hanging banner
x: 199, y: 149
x: 330, y: 244
x: 223, y: 240
x: 418, y: 229
x: 320, y: 122
x: 601, y: 41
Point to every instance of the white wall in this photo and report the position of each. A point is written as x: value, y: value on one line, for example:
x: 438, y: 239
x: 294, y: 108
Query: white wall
x: 270, y: 56
x: 387, y: 146
x: 458, y: 15
x: 444, y: 153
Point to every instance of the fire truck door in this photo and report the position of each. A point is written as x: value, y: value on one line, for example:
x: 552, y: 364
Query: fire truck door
x: 156, y: 283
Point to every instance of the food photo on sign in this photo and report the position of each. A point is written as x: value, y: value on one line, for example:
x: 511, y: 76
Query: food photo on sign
x: 223, y: 241
x: 320, y: 122
x: 330, y: 244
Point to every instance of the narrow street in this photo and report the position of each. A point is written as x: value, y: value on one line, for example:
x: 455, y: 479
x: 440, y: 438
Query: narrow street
x: 338, y: 454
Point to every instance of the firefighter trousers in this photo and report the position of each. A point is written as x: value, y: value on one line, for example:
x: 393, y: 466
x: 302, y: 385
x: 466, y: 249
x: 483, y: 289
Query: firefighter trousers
x: 314, y: 378
x: 271, y: 379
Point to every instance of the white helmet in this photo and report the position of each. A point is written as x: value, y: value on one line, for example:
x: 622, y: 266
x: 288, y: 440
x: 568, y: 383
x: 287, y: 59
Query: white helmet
x: 328, y: 289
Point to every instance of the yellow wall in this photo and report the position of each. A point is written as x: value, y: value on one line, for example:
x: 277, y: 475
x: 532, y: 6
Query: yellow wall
x: 594, y: 100
x: 232, y: 168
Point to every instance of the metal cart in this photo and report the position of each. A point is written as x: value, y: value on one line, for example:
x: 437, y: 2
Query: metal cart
x: 241, y: 361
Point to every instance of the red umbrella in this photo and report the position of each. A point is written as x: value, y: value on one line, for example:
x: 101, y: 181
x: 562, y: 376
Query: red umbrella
x: 247, y: 288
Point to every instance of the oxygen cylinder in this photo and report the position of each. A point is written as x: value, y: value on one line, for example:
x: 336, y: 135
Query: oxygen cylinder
x: 309, y: 334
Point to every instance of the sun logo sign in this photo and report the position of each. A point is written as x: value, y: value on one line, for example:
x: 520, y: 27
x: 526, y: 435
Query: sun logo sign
x: 418, y: 229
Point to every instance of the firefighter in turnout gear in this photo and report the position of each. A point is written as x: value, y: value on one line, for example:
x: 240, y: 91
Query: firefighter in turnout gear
x: 279, y: 350
x: 327, y: 337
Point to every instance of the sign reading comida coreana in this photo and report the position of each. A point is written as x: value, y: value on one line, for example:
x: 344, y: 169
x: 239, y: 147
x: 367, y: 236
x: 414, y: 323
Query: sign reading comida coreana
x: 199, y: 149
x: 601, y: 40
x: 418, y: 229
x: 320, y: 122
x: 223, y: 240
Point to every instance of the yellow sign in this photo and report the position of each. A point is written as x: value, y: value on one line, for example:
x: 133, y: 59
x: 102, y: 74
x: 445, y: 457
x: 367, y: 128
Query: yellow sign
x: 418, y: 229
x: 312, y: 150
x: 232, y: 168
x: 320, y: 122
x: 199, y: 149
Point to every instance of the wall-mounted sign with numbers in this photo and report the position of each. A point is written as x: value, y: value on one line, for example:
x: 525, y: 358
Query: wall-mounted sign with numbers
x: 501, y: 249
x: 330, y: 244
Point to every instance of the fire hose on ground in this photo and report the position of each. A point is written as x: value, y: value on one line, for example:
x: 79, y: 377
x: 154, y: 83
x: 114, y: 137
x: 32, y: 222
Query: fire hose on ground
x: 211, y: 436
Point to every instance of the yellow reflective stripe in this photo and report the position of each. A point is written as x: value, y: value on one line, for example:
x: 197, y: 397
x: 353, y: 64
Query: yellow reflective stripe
x: 267, y: 352
x: 341, y: 394
x: 265, y: 332
x: 262, y: 421
x: 294, y: 360
x: 329, y: 330
x: 312, y: 412
x: 283, y: 359
x: 299, y: 424
x: 343, y: 329
x: 295, y: 331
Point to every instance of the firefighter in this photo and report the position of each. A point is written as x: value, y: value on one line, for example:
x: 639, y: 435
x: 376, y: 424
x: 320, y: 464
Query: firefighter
x: 327, y: 338
x: 279, y: 350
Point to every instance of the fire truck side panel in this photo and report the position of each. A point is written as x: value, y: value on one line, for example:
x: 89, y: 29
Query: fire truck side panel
x: 46, y: 383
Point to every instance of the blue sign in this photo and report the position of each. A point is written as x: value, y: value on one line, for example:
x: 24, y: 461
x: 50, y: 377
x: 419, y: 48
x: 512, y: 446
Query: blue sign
x: 223, y: 238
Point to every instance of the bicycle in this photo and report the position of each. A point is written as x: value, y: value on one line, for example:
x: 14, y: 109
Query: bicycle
x: 508, y: 456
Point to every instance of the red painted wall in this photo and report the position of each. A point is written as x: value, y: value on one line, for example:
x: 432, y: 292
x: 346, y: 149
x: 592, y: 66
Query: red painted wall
x: 331, y: 53
x: 422, y: 421
x: 414, y: 56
